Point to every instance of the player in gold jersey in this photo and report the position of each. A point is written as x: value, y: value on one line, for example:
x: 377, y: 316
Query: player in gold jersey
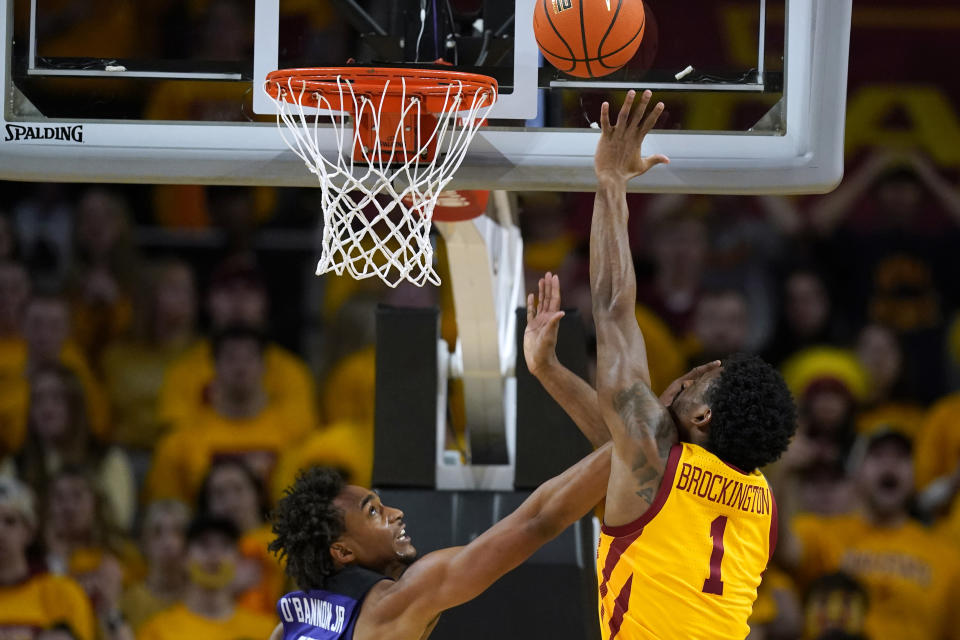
x: 689, y: 523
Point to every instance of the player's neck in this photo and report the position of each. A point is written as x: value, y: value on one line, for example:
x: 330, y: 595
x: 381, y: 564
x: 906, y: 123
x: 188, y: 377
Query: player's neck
x: 216, y: 604
x: 13, y: 570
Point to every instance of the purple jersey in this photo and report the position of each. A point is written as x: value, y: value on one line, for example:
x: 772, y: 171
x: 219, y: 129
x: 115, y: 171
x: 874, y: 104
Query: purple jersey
x: 327, y: 614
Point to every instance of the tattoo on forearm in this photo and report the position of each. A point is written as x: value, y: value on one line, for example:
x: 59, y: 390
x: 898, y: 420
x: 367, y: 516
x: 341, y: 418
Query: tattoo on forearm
x: 646, y: 494
x: 642, y: 419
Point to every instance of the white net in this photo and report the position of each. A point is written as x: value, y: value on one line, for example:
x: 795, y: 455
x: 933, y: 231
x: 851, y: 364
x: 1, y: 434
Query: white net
x: 377, y: 211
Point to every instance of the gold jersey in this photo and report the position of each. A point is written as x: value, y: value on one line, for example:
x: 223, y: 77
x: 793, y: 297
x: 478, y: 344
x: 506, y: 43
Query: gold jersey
x: 690, y: 566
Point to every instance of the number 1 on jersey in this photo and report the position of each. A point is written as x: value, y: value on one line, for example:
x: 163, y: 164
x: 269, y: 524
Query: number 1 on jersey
x: 714, y: 585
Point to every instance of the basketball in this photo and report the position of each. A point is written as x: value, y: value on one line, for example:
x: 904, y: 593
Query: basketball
x: 588, y: 38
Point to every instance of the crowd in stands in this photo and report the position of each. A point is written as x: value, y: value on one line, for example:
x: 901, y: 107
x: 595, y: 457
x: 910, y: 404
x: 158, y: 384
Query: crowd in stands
x: 151, y: 413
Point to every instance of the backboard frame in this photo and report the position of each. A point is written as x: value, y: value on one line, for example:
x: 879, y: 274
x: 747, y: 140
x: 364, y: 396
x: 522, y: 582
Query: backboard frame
x: 806, y: 158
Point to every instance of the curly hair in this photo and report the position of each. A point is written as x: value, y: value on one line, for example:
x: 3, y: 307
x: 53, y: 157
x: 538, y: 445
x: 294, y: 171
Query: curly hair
x: 306, y: 523
x: 754, y: 416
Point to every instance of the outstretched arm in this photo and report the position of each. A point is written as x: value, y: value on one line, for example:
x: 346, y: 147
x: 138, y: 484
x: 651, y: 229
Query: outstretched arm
x: 570, y: 391
x: 449, y: 577
x: 641, y: 428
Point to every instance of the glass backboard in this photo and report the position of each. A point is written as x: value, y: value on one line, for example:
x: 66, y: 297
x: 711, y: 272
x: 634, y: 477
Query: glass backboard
x: 170, y: 90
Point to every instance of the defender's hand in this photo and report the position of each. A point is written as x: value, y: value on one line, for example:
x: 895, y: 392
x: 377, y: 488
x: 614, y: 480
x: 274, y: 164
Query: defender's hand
x: 543, y: 323
x: 666, y: 398
x: 618, y: 152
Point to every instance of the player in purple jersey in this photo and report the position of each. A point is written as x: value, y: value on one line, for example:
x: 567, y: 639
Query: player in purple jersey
x: 358, y: 569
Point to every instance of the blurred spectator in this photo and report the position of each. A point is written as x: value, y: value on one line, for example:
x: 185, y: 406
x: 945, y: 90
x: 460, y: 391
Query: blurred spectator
x: 45, y: 327
x: 720, y: 326
x: 888, y: 402
x: 208, y: 608
x: 237, y: 297
x: 828, y: 384
x: 134, y: 369
x: 664, y: 353
x: 9, y: 249
x: 163, y: 541
x: 238, y: 421
x: 232, y: 491
x: 911, y: 577
x: 679, y: 248
x: 31, y: 602
x: 222, y: 31
x: 84, y: 541
x: 43, y: 221
x: 835, y: 603
x: 58, y: 437
x: 14, y: 293
x: 895, y: 266
x: 777, y: 614
x: 938, y: 460
x: 104, y: 271
x: 806, y: 317
x: 344, y: 446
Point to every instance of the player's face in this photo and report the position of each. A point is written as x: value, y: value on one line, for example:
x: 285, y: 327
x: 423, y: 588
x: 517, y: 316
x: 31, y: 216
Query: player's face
x: 886, y: 477
x: 15, y: 534
x: 376, y: 534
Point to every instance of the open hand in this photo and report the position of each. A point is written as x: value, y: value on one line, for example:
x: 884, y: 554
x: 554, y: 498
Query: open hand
x: 543, y: 323
x: 618, y: 152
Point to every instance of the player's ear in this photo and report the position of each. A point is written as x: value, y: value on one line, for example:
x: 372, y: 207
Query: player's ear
x: 341, y: 553
x: 701, y: 418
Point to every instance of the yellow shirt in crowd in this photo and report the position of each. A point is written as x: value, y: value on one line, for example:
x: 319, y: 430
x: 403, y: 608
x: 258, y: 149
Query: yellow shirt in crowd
x: 346, y: 446
x: 183, y: 457
x: 937, y: 450
x: 41, y: 602
x: 263, y: 596
x: 911, y: 576
x: 287, y: 380
x: 15, y: 392
x: 179, y: 623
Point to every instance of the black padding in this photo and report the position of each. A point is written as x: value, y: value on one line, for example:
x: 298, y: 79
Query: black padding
x: 406, y: 397
x: 548, y: 441
x: 551, y: 595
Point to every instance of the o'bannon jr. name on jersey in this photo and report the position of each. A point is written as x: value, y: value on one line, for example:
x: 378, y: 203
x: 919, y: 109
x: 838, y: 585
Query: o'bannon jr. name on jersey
x: 313, y: 611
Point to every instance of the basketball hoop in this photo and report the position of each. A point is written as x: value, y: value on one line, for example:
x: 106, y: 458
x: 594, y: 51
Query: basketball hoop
x: 411, y: 130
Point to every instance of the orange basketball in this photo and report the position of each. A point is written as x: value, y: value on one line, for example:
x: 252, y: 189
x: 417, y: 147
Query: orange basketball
x: 588, y: 38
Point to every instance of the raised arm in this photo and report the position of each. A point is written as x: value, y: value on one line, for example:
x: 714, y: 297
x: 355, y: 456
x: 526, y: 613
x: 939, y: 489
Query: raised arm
x: 570, y: 391
x: 641, y: 428
x: 449, y: 577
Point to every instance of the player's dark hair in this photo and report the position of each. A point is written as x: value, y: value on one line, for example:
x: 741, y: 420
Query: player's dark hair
x: 754, y: 415
x: 306, y: 523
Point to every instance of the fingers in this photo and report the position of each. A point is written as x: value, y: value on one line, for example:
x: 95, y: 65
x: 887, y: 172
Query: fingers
x: 554, y: 293
x: 529, y: 308
x: 624, y: 118
x: 605, y: 118
x: 555, y: 319
x: 547, y: 292
x: 652, y: 161
x: 541, y: 286
x: 641, y: 109
x: 652, y: 118
x: 696, y: 372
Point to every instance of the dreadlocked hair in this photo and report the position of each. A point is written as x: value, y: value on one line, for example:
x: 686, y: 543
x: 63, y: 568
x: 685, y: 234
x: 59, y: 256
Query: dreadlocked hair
x: 754, y: 416
x: 306, y: 523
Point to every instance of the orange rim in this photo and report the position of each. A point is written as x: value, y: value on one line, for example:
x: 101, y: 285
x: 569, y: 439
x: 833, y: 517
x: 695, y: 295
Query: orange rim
x: 434, y: 87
